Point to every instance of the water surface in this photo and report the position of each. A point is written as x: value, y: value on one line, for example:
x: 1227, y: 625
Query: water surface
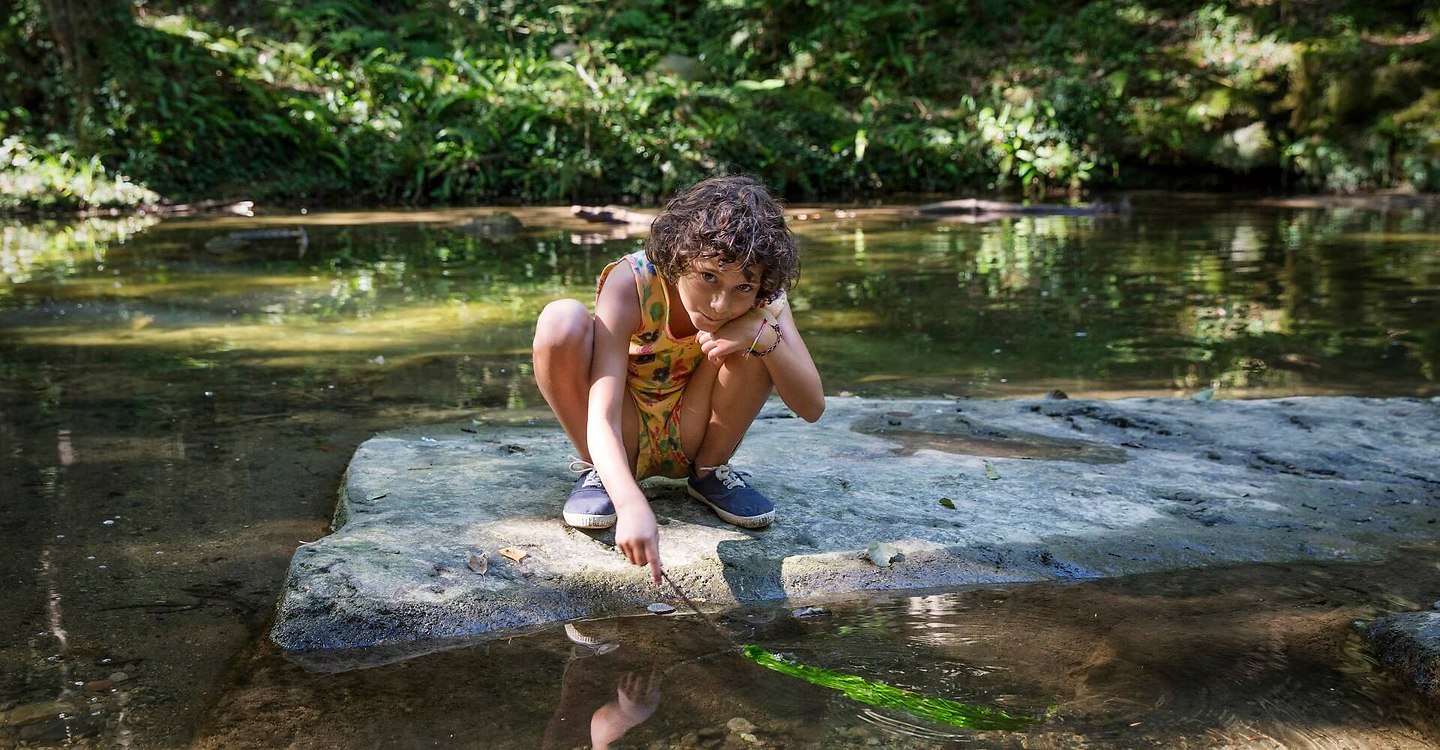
x: 176, y: 409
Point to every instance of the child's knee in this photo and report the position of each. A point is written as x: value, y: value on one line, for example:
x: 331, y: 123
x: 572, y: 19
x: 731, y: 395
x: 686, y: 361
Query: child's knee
x: 564, y: 322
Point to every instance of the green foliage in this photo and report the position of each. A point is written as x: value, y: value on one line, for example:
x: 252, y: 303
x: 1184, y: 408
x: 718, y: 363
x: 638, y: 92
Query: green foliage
x: 33, y: 179
x: 423, y: 101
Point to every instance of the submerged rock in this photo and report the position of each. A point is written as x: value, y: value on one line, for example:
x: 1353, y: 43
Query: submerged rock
x: 1408, y: 644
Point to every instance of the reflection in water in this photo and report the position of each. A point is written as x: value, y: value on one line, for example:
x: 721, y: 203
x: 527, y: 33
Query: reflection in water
x: 591, y: 677
x: 1248, y: 656
x: 204, y: 396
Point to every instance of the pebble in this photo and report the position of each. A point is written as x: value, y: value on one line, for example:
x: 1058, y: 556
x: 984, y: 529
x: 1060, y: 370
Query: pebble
x: 118, y: 677
x: 739, y: 725
x: 660, y: 608
x: 98, y: 686
x: 710, y: 733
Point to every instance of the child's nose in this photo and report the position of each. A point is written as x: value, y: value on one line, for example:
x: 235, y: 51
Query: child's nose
x: 726, y: 302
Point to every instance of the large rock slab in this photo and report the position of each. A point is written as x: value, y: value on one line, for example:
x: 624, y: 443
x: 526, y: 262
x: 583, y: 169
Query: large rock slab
x: 967, y: 491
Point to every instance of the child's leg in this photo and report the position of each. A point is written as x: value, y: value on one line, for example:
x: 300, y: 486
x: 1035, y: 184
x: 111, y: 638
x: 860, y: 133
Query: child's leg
x: 564, y: 341
x: 719, y: 406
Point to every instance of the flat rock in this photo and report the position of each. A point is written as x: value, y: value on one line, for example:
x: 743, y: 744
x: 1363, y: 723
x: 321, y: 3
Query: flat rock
x: 1408, y: 644
x: 1032, y: 490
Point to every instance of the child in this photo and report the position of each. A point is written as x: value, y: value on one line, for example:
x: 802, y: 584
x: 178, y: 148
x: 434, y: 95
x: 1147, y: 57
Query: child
x: 688, y: 337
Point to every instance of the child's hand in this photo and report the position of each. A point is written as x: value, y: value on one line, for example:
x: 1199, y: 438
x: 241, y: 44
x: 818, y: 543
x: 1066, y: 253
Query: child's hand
x: 734, y: 337
x: 638, y: 538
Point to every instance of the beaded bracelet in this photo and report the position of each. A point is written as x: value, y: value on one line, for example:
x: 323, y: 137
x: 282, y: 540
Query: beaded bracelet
x: 758, y: 331
x: 774, y: 325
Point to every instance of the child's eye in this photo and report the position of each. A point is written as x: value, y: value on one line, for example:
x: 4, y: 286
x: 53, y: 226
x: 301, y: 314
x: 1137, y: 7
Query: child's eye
x: 708, y: 277
x: 745, y: 288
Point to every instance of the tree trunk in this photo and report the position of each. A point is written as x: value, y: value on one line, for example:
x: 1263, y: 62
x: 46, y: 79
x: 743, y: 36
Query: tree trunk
x: 86, y: 32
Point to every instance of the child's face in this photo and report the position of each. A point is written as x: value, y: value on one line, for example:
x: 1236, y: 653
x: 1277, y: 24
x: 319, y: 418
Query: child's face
x: 713, y: 293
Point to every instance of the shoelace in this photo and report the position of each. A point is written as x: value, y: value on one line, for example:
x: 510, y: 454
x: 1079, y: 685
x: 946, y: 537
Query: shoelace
x: 592, y: 477
x: 728, y: 476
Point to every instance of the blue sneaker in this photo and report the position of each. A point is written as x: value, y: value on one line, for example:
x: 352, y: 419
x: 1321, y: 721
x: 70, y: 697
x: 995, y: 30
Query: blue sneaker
x: 735, y: 502
x: 588, y: 506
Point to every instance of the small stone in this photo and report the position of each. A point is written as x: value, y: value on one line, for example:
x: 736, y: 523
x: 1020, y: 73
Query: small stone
x: 739, y: 725
x: 710, y: 733
x: 118, y: 677
x: 660, y: 608
x: 98, y: 686
x: 750, y: 738
x: 33, y: 712
x: 881, y: 553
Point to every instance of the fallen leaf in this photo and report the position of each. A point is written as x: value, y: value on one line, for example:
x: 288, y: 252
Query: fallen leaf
x: 480, y: 563
x: 514, y: 554
x: 881, y: 553
x: 990, y: 472
x: 947, y: 502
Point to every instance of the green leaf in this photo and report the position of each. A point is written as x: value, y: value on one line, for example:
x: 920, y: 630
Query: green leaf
x: 990, y: 472
x: 948, y: 503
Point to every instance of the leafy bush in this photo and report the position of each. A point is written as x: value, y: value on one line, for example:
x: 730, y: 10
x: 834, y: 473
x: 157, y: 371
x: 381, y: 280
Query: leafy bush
x: 462, y: 101
x: 32, y: 179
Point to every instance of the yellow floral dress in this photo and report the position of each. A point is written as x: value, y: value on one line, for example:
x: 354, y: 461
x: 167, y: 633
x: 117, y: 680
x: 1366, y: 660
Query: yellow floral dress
x: 660, y: 366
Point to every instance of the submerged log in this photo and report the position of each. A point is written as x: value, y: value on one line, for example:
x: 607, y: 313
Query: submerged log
x: 977, y: 207
x: 612, y: 215
x: 237, y: 240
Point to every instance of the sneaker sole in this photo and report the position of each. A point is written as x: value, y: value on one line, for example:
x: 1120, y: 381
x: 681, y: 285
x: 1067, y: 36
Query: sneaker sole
x: 744, y: 522
x: 588, y: 521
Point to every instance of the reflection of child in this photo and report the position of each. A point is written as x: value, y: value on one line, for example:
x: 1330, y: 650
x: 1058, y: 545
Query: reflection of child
x: 687, y: 339
x: 630, y: 680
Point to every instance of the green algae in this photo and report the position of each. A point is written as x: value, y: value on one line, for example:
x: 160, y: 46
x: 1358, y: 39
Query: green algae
x: 940, y: 710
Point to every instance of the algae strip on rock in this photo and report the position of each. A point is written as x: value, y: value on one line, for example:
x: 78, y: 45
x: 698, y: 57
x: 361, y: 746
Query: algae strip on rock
x: 939, y: 710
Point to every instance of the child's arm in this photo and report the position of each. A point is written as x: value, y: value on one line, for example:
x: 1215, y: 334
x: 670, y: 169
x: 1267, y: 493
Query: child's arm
x: 791, y: 368
x: 789, y: 364
x: 617, y: 317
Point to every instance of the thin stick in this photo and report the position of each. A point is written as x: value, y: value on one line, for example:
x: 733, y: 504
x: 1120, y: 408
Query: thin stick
x: 708, y: 620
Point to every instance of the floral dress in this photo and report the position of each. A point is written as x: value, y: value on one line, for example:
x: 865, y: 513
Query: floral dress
x: 660, y: 366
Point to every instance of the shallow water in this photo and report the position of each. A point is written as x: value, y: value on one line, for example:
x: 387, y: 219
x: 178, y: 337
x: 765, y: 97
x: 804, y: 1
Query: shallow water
x: 176, y: 410
x: 1253, y: 656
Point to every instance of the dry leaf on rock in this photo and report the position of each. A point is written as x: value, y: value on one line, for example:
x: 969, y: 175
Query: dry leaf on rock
x: 480, y: 563
x: 514, y: 554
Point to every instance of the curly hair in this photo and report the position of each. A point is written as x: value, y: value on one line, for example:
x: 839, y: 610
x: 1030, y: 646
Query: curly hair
x: 732, y: 218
